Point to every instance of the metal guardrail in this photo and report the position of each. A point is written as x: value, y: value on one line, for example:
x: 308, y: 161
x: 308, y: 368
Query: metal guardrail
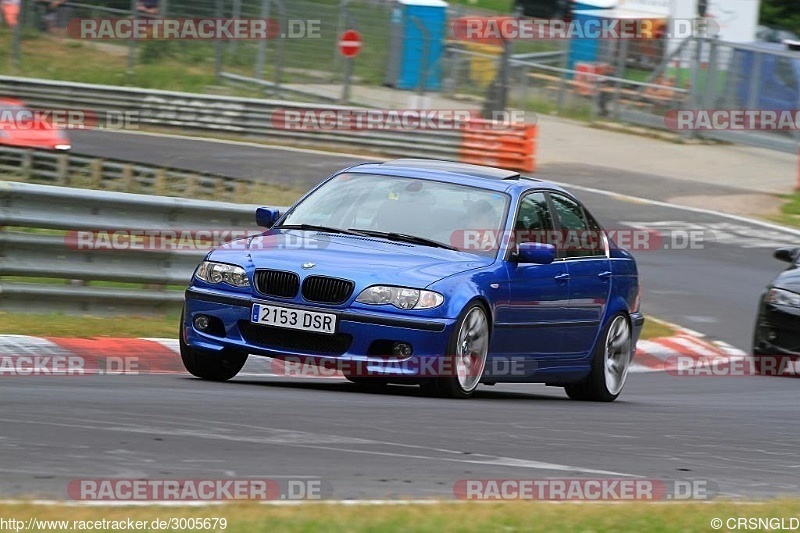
x: 61, y: 168
x: 248, y: 117
x: 52, y: 272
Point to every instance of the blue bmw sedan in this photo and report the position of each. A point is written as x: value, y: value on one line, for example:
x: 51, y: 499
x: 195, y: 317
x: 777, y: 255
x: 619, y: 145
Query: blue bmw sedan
x: 435, y: 273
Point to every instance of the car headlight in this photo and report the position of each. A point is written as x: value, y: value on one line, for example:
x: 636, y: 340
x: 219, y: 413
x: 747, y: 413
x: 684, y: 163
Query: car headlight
x: 400, y: 297
x: 212, y: 272
x: 782, y: 297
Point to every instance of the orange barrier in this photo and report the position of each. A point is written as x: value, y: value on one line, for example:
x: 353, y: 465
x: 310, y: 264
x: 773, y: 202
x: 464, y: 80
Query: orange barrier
x: 485, y: 142
x: 587, y: 75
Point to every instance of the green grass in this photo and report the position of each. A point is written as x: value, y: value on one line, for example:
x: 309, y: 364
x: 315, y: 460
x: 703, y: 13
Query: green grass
x: 46, y: 57
x: 573, y: 107
x: 641, y: 517
x: 654, y: 329
x: 86, y: 326
x: 790, y: 211
x: 499, y: 6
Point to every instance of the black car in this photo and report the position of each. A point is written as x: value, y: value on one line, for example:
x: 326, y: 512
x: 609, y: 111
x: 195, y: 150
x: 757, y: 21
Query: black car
x: 778, y: 326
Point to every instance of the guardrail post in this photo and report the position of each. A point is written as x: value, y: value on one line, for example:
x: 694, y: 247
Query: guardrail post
x: 127, y: 178
x: 160, y: 181
x: 219, y: 188
x: 242, y: 189
x: 26, y: 165
x: 62, y: 169
x: 192, y: 185
x: 96, y: 173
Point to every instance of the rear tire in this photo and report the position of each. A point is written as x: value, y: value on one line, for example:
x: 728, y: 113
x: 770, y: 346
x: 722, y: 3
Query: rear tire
x: 610, y: 364
x: 210, y: 366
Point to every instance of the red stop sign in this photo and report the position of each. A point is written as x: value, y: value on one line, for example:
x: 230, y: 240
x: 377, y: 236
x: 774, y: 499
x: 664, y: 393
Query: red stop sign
x: 350, y: 43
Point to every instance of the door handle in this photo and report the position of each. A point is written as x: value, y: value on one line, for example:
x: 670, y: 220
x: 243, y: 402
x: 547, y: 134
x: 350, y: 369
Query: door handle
x: 561, y: 277
x: 604, y: 275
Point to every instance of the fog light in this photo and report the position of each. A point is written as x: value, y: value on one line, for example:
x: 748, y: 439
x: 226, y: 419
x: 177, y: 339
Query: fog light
x: 201, y: 322
x: 401, y: 349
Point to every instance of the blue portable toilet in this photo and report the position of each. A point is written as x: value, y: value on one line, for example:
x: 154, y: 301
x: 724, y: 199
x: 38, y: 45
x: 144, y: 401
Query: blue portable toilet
x: 586, y: 50
x: 418, y: 31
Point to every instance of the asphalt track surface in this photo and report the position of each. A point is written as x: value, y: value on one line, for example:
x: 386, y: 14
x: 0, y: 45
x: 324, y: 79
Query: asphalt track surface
x: 738, y: 434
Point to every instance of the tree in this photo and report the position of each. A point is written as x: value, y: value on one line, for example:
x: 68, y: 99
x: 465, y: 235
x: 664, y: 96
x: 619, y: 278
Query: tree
x: 782, y: 14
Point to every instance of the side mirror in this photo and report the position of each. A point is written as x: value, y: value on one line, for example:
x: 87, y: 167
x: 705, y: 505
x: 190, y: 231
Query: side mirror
x: 536, y: 252
x: 266, y: 217
x: 786, y: 254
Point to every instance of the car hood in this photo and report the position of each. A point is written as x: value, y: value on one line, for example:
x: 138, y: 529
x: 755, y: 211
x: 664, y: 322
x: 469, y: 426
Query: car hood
x: 365, y: 260
x: 789, y: 280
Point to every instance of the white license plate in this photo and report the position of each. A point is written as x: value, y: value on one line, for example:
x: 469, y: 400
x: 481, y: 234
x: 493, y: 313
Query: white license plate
x: 286, y: 317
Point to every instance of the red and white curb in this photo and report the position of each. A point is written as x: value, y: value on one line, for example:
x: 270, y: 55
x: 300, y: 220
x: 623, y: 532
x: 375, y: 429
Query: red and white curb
x: 683, y: 351
x: 27, y: 355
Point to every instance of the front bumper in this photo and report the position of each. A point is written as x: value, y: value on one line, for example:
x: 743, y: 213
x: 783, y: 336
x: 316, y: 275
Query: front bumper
x: 777, y: 331
x: 361, y: 337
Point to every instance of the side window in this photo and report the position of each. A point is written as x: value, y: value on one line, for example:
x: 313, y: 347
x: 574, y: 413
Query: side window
x: 533, y: 223
x: 577, y: 237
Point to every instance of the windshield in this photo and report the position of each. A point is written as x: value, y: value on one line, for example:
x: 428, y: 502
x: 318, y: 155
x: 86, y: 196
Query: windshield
x: 432, y: 210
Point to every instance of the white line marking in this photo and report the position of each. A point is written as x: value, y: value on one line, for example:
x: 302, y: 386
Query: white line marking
x: 255, y: 145
x: 670, y: 205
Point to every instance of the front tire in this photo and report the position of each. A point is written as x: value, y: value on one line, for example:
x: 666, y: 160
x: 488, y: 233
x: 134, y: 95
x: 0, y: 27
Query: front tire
x: 466, y: 356
x: 610, y: 364
x: 209, y: 365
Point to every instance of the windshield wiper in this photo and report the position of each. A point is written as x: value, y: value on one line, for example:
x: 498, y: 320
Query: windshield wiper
x: 326, y: 229
x: 403, y: 237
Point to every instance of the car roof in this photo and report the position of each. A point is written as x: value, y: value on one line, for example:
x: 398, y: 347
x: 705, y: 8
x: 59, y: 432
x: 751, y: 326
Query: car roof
x: 492, y: 178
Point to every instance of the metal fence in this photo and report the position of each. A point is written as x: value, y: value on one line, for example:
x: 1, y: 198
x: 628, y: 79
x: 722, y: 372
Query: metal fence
x: 637, y: 81
x: 222, y: 115
x: 699, y: 74
x: 45, y: 268
x: 54, y: 168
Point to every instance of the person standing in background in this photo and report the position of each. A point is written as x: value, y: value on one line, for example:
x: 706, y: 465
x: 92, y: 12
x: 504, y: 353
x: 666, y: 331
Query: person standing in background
x: 11, y: 12
x: 55, y: 17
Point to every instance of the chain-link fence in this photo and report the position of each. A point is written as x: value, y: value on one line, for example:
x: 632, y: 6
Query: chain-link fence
x: 635, y: 80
